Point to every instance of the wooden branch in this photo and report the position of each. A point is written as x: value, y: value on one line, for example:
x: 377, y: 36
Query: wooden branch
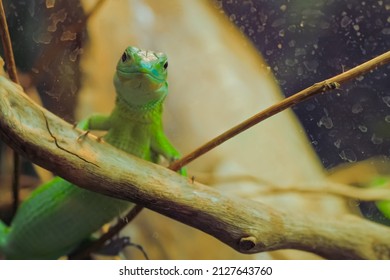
x: 247, y: 226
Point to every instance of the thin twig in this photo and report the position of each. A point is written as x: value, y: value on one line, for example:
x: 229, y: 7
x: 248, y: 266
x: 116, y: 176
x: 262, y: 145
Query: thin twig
x: 286, y: 103
x: 11, y: 69
x: 8, y: 51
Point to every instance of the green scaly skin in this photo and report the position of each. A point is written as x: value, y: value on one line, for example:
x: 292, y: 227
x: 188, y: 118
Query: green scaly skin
x: 58, y: 215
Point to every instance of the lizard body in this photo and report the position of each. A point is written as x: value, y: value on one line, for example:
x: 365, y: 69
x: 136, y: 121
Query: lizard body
x: 58, y: 215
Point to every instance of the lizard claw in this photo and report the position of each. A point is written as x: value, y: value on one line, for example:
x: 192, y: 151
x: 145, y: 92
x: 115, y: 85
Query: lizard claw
x: 82, y: 136
x: 117, y: 244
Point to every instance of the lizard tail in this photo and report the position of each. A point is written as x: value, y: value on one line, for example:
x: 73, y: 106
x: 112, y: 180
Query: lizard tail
x: 3, y: 235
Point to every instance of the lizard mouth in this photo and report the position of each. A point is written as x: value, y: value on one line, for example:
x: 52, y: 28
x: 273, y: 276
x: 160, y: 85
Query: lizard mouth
x: 150, y: 76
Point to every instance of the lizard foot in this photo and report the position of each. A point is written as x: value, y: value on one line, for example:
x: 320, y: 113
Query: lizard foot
x: 82, y: 136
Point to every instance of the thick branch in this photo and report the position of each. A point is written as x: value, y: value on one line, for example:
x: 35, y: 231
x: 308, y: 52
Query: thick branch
x: 246, y: 226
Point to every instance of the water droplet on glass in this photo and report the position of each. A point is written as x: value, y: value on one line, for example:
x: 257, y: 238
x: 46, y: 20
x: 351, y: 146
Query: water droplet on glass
x: 68, y: 36
x: 57, y: 17
x: 50, y: 3
x: 263, y: 18
x: 232, y: 17
x: 290, y: 62
x: 292, y: 28
x: 359, y: 78
x: 337, y: 143
x: 386, y: 31
x: 299, y: 51
x: 376, y: 140
x: 73, y: 88
x: 324, y: 25
x: 348, y: 155
x: 260, y: 28
x: 218, y: 4
x: 74, y: 54
x: 291, y: 43
x: 310, y: 107
x: 311, y: 65
x: 31, y: 8
x: 363, y: 128
x: 299, y: 71
x: 278, y: 22
x: 386, y: 99
x: 42, y: 38
x: 326, y: 122
x: 345, y: 21
x: 357, y: 108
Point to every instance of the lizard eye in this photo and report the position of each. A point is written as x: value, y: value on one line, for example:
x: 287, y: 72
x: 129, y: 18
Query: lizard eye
x: 166, y: 65
x: 124, y: 57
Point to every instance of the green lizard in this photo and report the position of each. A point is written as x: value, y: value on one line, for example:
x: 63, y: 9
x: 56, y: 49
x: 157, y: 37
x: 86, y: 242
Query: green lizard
x: 58, y: 215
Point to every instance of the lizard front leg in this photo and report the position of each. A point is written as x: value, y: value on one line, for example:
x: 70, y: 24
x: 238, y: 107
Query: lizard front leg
x: 162, y: 146
x: 95, y: 122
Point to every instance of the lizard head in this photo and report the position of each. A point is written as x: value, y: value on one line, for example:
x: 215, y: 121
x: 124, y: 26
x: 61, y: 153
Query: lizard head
x: 141, y: 77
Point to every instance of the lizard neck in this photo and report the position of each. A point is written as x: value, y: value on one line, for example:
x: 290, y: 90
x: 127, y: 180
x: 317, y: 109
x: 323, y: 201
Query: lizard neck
x: 132, y: 127
x: 142, y: 114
